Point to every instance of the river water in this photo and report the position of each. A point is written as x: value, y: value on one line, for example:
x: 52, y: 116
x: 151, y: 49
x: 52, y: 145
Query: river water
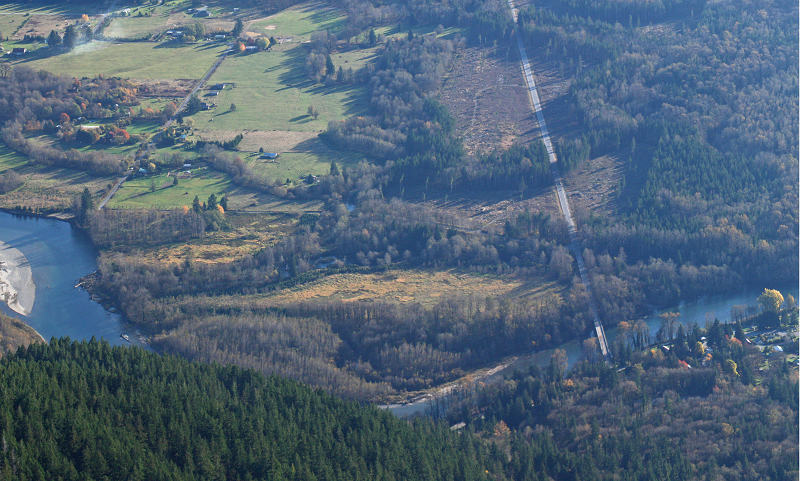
x: 59, y: 256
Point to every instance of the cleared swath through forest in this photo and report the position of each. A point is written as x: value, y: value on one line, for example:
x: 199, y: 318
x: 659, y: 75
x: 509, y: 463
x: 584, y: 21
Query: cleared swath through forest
x: 574, y: 244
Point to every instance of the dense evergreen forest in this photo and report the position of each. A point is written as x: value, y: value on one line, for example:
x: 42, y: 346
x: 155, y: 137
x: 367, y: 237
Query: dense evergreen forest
x: 89, y: 411
x: 704, y: 106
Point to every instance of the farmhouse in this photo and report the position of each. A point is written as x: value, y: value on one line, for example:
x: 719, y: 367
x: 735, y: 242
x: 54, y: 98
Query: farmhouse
x: 219, y: 37
x: 251, y: 48
x: 269, y: 155
x: 19, y: 51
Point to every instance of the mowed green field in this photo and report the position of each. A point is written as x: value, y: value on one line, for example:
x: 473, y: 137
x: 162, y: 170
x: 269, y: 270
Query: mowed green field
x: 10, y: 159
x: 89, y: 8
x: 271, y: 93
x: 9, y: 24
x: 136, y: 193
x: 295, y: 166
x: 137, y: 60
x: 301, y: 21
x: 167, y: 16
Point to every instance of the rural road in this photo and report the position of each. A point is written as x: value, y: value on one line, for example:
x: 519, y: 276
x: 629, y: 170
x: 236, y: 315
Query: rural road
x: 111, y: 192
x: 195, y: 89
x: 574, y: 244
x: 182, y: 106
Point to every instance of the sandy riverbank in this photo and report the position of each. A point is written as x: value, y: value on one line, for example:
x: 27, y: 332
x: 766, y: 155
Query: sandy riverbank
x: 17, y: 288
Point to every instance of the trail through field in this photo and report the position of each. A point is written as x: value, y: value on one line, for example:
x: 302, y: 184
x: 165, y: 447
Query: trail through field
x: 111, y: 192
x: 574, y: 245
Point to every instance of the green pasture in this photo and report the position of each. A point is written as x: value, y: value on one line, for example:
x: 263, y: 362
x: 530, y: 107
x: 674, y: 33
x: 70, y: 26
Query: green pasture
x: 272, y: 93
x: 134, y: 26
x: 62, y: 8
x: 300, y: 22
x: 9, y: 24
x: 142, y: 127
x: 295, y: 166
x: 137, y: 194
x: 10, y: 159
x: 139, y: 60
x: 160, y: 19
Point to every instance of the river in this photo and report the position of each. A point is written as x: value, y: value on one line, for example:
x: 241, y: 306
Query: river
x: 59, y: 256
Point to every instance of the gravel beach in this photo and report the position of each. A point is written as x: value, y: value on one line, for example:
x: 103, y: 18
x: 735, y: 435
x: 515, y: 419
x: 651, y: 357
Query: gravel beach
x: 17, y: 288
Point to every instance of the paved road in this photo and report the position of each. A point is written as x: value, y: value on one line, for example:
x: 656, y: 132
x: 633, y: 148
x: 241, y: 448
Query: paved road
x: 574, y: 245
x: 111, y: 192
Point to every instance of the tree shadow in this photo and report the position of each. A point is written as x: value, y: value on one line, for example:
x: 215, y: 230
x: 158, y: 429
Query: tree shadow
x: 34, y: 55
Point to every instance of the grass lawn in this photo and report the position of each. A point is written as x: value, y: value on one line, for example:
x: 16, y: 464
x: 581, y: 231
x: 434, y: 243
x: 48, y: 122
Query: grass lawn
x: 160, y: 19
x: 298, y: 23
x: 9, y: 24
x: 10, y: 159
x: 136, y: 193
x: 272, y: 93
x: 89, y: 8
x: 138, y: 60
x: 297, y: 165
x: 142, y: 127
x: 133, y: 26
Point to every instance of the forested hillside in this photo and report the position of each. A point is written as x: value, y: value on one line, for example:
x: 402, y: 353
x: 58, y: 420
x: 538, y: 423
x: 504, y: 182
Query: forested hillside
x: 89, y: 411
x: 682, y: 413
x: 701, y: 98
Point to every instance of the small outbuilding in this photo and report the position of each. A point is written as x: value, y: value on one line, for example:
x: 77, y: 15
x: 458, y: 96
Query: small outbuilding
x: 217, y: 86
x: 269, y: 155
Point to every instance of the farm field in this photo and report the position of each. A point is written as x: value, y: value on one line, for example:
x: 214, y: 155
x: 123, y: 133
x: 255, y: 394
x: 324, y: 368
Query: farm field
x: 272, y: 96
x: 136, y: 60
x: 10, y: 159
x: 139, y: 194
x: 10, y: 23
x: 67, y: 8
x: 272, y: 93
x: 296, y: 166
x: 299, y: 22
x: 158, y: 19
x: 301, y: 153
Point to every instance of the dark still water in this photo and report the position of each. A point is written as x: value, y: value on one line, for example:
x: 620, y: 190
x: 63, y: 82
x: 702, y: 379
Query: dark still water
x: 59, y: 256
